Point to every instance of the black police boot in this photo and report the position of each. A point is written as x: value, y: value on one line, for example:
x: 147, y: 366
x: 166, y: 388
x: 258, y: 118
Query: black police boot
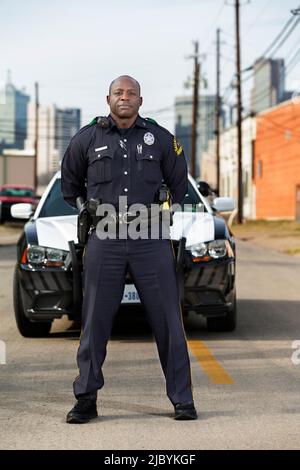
x: 185, y: 411
x: 84, y: 410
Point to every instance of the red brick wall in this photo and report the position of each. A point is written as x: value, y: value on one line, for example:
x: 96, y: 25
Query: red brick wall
x: 278, y: 148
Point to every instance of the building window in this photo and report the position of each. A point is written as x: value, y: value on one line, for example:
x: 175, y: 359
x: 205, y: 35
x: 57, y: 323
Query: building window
x: 260, y: 169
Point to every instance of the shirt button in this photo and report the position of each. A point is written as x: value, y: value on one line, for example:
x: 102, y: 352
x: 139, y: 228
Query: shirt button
x: 125, y: 156
x: 125, y: 172
x: 125, y: 190
x: 151, y: 156
x: 125, y: 140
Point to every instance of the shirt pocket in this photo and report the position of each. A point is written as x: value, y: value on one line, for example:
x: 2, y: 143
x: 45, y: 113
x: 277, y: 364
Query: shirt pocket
x: 100, y: 167
x: 148, y: 166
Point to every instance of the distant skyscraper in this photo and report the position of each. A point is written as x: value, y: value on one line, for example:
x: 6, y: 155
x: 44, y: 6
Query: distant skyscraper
x: 13, y: 117
x: 67, y: 123
x: 56, y: 128
x: 206, y: 124
x: 269, y: 84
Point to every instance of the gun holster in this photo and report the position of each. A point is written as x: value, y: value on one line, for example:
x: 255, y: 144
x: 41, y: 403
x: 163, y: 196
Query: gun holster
x: 83, y: 224
x: 84, y: 221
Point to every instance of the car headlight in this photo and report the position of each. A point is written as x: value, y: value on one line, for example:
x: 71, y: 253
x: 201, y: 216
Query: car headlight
x: 54, y: 255
x: 199, y: 250
x: 213, y: 250
x: 217, y: 249
x: 35, y: 254
x: 38, y: 255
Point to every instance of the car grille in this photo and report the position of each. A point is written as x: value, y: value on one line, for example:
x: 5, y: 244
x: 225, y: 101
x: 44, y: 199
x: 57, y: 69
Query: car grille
x: 46, y: 281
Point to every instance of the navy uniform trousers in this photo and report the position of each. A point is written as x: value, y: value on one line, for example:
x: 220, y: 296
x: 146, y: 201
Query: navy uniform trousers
x: 152, y: 267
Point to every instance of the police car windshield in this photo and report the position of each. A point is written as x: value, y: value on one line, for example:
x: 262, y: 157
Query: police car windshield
x: 55, y: 204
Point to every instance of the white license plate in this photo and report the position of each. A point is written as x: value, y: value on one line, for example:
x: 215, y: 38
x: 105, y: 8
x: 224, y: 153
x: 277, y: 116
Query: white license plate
x: 130, y: 295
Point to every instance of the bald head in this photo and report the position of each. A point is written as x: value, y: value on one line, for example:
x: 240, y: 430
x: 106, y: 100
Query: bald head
x: 127, y: 78
x: 124, y: 100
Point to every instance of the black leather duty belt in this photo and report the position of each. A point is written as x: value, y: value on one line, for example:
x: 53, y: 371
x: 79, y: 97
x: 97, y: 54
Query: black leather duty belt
x: 122, y: 218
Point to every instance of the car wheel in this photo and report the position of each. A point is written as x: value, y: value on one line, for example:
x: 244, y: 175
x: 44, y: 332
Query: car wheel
x: 27, y: 328
x: 226, y: 323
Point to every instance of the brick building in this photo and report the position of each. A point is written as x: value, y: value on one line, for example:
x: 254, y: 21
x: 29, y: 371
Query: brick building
x: 277, y: 162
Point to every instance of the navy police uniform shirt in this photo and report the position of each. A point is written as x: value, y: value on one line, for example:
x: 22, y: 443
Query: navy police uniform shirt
x: 104, y: 162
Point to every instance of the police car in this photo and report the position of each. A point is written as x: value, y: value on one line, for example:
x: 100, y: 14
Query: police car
x: 48, y: 272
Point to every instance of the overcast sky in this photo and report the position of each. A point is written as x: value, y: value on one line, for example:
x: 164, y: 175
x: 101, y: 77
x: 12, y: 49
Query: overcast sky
x: 74, y: 48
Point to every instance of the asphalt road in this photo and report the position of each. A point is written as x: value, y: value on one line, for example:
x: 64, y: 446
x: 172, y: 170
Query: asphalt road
x: 258, y: 408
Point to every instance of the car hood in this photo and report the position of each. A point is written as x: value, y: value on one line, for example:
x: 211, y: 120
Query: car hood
x: 56, y: 232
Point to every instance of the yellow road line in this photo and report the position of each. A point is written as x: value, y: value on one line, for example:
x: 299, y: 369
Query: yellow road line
x: 216, y: 373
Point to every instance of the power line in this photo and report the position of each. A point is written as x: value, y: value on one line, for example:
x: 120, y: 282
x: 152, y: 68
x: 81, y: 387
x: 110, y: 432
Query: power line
x: 287, y: 56
x: 285, y: 37
x: 220, y: 11
x: 274, y: 42
x: 253, y: 23
x: 289, y: 24
x: 277, y: 38
x: 266, y: 92
x: 293, y: 62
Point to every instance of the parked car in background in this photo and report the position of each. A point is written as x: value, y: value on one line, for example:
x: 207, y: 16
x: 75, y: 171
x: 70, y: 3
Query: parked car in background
x: 12, y: 194
x: 48, y: 273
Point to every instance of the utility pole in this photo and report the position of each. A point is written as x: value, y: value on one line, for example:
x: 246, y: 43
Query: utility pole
x: 239, y: 112
x: 218, y: 110
x: 36, y: 139
x: 195, y: 110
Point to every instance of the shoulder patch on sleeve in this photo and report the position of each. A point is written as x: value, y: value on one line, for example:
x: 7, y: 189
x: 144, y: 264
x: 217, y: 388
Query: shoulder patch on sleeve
x: 177, y: 147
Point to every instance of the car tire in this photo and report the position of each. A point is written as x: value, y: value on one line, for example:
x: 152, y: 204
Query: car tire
x: 27, y: 328
x: 226, y: 323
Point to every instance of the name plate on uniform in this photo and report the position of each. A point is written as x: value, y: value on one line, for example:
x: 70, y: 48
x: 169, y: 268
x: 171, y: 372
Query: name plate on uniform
x: 130, y: 295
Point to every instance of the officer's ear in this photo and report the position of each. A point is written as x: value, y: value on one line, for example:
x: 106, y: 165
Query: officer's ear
x: 141, y: 100
x: 108, y: 99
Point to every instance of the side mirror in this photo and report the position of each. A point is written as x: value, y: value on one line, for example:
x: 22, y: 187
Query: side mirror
x: 21, y: 211
x: 204, y: 188
x: 223, y: 204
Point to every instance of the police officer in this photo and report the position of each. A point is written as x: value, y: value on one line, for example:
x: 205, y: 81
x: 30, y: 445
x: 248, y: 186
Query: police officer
x: 126, y: 155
